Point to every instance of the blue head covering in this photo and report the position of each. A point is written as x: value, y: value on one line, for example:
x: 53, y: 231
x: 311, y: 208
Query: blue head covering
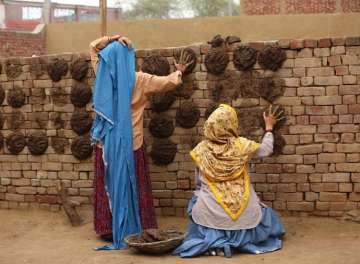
x: 115, y: 81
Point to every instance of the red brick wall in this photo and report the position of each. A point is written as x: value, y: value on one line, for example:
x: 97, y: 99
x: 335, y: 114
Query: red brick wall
x: 21, y: 44
x: 261, y: 7
x: 274, y: 7
x: 309, y: 6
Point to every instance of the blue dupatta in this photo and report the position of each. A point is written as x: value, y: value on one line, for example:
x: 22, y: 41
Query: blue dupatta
x: 115, y: 81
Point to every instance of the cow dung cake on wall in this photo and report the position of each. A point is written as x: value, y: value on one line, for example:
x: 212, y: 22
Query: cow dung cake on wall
x: 191, y: 57
x: 161, y: 102
x: 2, y: 120
x: 16, y: 97
x: 156, y: 64
x: 79, y: 69
x: 270, y: 88
x: 217, y: 41
x: 161, y: 126
x: 272, y: 57
x: 37, y: 143
x: 57, y: 68
x: 216, y: 60
x: 59, y: 144
x: 279, y: 143
x: 81, y: 122
x: 1, y: 140
x: 37, y: 67
x: 81, y: 147
x: 59, y: 96
x: 57, y: 121
x: 80, y: 94
x: 15, y: 142
x: 250, y: 120
x: 186, y: 89
x: 244, y: 58
x: 187, y: 115
x: 210, y: 109
x: 163, y: 151
x: 15, y: 120
x: 2, y: 94
x: 13, y: 69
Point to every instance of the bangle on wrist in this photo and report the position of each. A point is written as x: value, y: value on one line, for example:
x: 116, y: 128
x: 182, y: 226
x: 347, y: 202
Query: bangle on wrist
x: 269, y: 130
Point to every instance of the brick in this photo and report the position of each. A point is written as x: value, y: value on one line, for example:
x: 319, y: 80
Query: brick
x: 321, y: 52
x: 301, y: 129
x: 26, y: 190
x: 341, y: 109
x: 350, y: 59
x: 307, y: 62
x: 349, y: 89
x: 14, y: 197
x: 336, y: 177
x: 321, y: 71
x: 354, y: 69
x: 331, y: 157
x: 326, y: 138
x: 355, y: 177
x: 268, y: 168
x: 310, y: 159
x: 334, y: 60
x: 82, y: 184
x: 293, y: 177
x: 20, y: 182
x: 311, y: 196
x: 320, y: 120
x: 310, y: 43
x: 305, y: 169
x: 349, y: 79
x: 327, y: 80
x: 348, y: 167
x: 338, y: 41
x: 292, y: 197
x: 345, y: 187
x: 296, y: 44
x: 300, y: 206
x: 308, y: 91
x: 51, y: 166
x: 352, y: 41
x: 307, y: 81
x: 309, y: 149
x: 305, y: 53
x: 319, y: 110
x: 354, y: 197
x: 332, y: 197
x: 341, y: 70
x: 341, y: 128
x: 348, y: 148
x: 327, y: 100
x: 349, y: 99
x: 337, y: 50
x: 299, y: 72
x: 324, y: 43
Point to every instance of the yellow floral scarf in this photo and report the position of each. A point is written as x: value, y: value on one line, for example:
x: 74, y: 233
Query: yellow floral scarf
x: 222, y: 157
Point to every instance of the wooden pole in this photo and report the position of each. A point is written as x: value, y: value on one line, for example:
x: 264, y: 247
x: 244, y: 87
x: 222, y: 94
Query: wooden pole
x: 103, y: 17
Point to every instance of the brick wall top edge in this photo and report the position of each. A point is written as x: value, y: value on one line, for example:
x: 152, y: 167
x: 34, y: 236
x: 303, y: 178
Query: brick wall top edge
x: 284, y: 43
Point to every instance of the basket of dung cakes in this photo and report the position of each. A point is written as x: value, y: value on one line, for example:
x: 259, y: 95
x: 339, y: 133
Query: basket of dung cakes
x: 155, y: 241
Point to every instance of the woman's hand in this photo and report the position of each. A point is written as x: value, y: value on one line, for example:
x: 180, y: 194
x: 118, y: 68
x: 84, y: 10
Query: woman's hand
x: 273, y: 117
x: 183, y: 62
x: 123, y: 40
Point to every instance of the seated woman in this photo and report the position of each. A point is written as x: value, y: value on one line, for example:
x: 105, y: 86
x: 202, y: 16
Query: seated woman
x: 226, y: 214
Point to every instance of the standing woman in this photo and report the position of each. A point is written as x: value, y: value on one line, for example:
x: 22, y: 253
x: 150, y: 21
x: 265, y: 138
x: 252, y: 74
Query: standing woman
x: 120, y: 98
x: 225, y: 213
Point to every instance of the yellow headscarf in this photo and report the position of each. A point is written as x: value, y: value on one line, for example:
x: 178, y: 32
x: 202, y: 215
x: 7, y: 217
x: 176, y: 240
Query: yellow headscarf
x: 222, y: 157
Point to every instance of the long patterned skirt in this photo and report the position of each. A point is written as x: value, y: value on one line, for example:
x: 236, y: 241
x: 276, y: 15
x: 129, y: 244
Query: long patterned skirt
x: 102, y: 213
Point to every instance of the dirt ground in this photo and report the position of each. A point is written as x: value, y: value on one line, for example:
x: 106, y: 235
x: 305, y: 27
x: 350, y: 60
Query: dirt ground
x: 39, y: 237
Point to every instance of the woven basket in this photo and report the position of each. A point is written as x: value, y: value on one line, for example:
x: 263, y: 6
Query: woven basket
x: 158, y: 247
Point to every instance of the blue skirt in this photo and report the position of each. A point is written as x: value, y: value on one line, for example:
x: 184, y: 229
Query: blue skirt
x: 265, y: 237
